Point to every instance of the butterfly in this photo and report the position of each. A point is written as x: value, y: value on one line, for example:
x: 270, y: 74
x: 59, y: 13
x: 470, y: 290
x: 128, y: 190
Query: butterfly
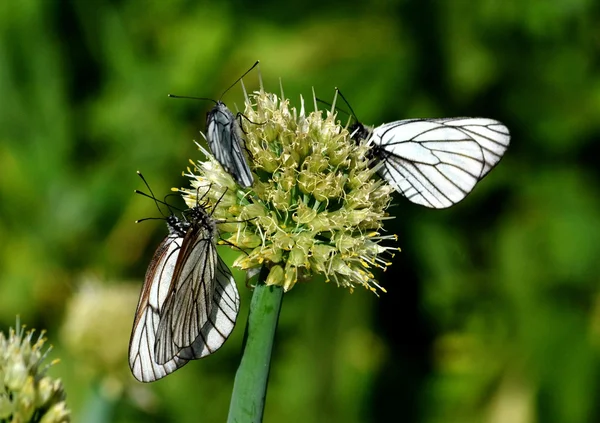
x: 189, y: 301
x: 225, y: 138
x: 434, y: 162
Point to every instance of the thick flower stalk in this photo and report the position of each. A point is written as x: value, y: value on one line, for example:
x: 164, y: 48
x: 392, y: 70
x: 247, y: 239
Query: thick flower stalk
x: 26, y: 393
x: 314, y: 207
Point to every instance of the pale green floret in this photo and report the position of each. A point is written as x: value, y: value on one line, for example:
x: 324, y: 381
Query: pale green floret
x: 57, y: 413
x: 314, y: 206
x: 275, y: 276
x: 26, y: 393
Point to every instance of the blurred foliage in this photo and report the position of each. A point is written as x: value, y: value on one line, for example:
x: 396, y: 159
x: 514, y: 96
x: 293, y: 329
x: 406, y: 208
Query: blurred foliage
x: 493, y: 307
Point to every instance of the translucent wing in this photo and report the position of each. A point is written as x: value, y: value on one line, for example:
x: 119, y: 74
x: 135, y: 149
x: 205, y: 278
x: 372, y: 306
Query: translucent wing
x: 147, y: 317
x: 189, y: 303
x: 491, y: 135
x: 220, y: 323
x: 201, y: 308
x: 225, y: 140
x: 437, y: 162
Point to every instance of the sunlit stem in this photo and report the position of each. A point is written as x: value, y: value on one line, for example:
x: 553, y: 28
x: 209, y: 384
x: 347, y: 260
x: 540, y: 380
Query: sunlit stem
x: 250, y: 385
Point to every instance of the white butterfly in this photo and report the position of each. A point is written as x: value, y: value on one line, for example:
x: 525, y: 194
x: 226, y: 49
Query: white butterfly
x: 225, y: 137
x: 435, y: 162
x: 189, y: 301
x: 225, y: 140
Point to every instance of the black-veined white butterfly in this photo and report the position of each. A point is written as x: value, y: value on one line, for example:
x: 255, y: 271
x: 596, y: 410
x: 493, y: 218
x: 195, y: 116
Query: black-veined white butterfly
x: 189, y: 301
x: 225, y: 138
x: 434, y: 162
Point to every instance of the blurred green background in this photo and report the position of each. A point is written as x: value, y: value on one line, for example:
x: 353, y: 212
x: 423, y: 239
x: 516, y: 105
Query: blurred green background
x: 493, y: 306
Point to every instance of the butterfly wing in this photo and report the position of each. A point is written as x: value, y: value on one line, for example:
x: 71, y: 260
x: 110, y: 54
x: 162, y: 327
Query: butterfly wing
x: 147, y: 317
x: 220, y: 324
x: 491, y: 135
x: 437, y: 162
x: 224, y: 137
x: 189, y: 303
x: 200, y: 312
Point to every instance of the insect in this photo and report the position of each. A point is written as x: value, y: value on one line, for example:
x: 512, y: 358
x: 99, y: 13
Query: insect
x: 189, y: 301
x: 434, y: 162
x: 225, y: 138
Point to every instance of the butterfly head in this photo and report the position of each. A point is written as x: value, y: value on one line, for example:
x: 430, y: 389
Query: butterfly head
x: 198, y: 216
x: 359, y: 132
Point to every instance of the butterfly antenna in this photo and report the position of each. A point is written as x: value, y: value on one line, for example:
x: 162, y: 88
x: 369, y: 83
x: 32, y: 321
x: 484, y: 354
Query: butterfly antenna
x: 323, y: 102
x: 199, y: 199
x: 152, y: 196
x: 219, y: 200
x: 191, y: 98
x: 149, y: 218
x: 239, y: 79
x: 169, y: 206
x: 331, y: 105
x: 337, y: 90
x: 171, y: 195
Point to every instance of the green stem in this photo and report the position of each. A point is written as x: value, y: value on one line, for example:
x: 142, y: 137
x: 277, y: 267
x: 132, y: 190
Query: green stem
x: 250, y: 386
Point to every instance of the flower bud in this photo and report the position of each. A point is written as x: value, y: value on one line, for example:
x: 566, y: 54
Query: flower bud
x: 275, y: 276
